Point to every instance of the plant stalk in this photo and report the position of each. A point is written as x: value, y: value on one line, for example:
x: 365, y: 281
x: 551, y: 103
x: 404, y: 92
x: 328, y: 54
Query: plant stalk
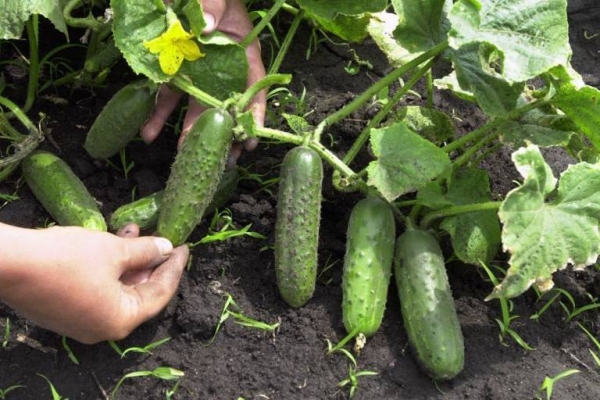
x: 200, y: 95
x: 283, y: 50
x: 262, y: 24
x: 457, y: 210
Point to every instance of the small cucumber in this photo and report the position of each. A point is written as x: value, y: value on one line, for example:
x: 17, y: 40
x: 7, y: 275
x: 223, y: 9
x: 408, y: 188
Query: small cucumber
x: 61, y: 192
x: 195, y: 175
x: 428, y: 309
x: 367, y: 265
x: 121, y: 119
x: 297, y: 225
x: 144, y: 212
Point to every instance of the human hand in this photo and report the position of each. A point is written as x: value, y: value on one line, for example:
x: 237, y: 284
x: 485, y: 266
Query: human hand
x: 91, y: 286
x: 231, y: 18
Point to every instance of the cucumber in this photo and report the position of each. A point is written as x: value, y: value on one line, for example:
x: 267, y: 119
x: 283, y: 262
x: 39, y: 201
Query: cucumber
x: 297, y: 225
x: 61, y: 192
x: 367, y: 265
x: 195, y: 175
x: 144, y: 212
x: 121, y: 119
x: 428, y: 309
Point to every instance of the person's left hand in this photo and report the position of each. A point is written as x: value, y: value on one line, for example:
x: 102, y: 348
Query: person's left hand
x: 231, y: 18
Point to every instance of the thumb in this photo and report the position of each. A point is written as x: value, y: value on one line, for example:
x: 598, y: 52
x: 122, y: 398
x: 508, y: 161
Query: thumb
x: 154, y: 294
x: 145, y: 252
x: 213, y: 13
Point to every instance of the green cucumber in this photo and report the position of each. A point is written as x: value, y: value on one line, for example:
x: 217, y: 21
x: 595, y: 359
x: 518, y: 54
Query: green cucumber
x: 297, y: 225
x: 367, y: 265
x: 428, y: 309
x: 121, y: 119
x: 195, y: 175
x: 144, y: 212
x: 61, y: 192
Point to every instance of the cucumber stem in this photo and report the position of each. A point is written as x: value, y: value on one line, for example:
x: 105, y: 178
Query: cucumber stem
x: 377, y: 86
x: 269, y: 80
x: 457, y: 210
x: 285, y: 45
x: 34, y: 61
x: 262, y: 24
x: 200, y: 95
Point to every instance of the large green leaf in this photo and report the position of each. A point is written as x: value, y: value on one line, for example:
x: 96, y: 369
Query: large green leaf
x: 329, y: 9
x: 434, y: 125
x: 405, y: 161
x: 545, y: 228
x: 422, y: 23
x: 474, y: 66
x: 15, y: 13
x: 475, y: 235
x: 223, y: 69
x: 581, y: 103
x: 381, y: 28
x: 352, y: 28
x: 531, y: 35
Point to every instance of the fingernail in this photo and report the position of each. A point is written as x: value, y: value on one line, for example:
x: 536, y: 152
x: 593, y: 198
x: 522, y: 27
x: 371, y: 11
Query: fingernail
x: 164, y: 246
x: 210, y: 23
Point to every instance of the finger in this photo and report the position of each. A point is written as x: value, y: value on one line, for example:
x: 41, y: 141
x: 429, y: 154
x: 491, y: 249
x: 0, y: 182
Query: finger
x: 130, y: 230
x: 144, y: 252
x: 234, y: 154
x: 154, y: 294
x: 255, y: 73
x: 165, y: 104
x: 214, y: 10
x: 191, y: 116
x: 131, y: 278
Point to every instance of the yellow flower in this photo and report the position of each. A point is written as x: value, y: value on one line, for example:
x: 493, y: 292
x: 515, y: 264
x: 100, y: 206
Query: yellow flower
x: 172, y: 47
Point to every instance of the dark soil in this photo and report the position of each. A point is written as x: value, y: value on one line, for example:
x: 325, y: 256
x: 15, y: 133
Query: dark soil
x: 290, y: 363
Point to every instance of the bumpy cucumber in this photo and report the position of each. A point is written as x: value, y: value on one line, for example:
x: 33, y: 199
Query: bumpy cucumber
x: 61, y: 192
x: 144, y: 212
x: 121, y: 119
x: 427, y: 305
x: 367, y: 265
x: 195, y: 175
x: 297, y: 225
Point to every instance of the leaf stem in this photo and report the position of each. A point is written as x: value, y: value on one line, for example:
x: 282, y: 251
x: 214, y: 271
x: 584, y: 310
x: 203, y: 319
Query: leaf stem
x: 285, y: 46
x: 34, y: 61
x: 262, y: 24
x: 200, y: 95
x: 377, y: 86
x: 269, y: 80
x: 457, y: 210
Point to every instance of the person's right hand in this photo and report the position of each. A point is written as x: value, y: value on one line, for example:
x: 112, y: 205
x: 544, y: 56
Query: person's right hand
x: 90, y: 286
x: 231, y: 18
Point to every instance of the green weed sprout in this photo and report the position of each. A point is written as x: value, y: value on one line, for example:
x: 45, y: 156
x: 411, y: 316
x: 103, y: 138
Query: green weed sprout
x: 4, y: 392
x: 506, y: 307
x: 596, y: 343
x: 163, y: 373
x: 6, y: 335
x: 548, y: 383
x: 222, y: 228
x: 352, y: 380
x: 69, y: 351
x: 135, y: 349
x: 53, y: 391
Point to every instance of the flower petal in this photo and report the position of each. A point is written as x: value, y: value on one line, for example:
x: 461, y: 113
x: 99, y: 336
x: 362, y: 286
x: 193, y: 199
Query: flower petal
x: 176, y: 32
x: 189, y: 49
x: 170, y: 60
x: 157, y: 44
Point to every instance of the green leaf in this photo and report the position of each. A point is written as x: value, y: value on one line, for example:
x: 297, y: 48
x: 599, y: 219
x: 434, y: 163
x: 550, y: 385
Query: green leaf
x: 297, y: 124
x: 434, y: 125
x: 432, y: 196
x: 195, y: 15
x: 546, y: 229
x: 579, y: 102
x: 16, y: 12
x: 475, y: 235
x: 422, y: 23
x: 348, y: 27
x: 406, y: 161
x: 381, y: 27
x: 531, y: 35
x: 474, y: 65
x: 329, y: 9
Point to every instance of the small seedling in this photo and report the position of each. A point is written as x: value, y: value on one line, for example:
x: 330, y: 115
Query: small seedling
x: 548, y: 384
x: 125, y: 167
x: 143, y: 350
x: 69, y: 351
x: 239, y: 318
x: 596, y: 343
x: 6, y: 335
x: 506, y: 307
x: 53, y: 391
x: 352, y: 380
x: 4, y: 392
x: 222, y: 228
x: 163, y: 373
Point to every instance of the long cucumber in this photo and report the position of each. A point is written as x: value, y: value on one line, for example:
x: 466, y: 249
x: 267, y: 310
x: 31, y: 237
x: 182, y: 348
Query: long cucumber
x: 297, y: 225
x: 428, y: 309
x: 367, y: 265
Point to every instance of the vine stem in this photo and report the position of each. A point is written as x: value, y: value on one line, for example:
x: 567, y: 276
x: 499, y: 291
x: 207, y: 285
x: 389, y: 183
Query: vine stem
x: 200, y: 95
x: 34, y: 61
x: 262, y: 24
x: 269, y: 80
x: 287, y: 41
x: 88, y: 22
x: 376, y: 87
x: 457, y: 210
